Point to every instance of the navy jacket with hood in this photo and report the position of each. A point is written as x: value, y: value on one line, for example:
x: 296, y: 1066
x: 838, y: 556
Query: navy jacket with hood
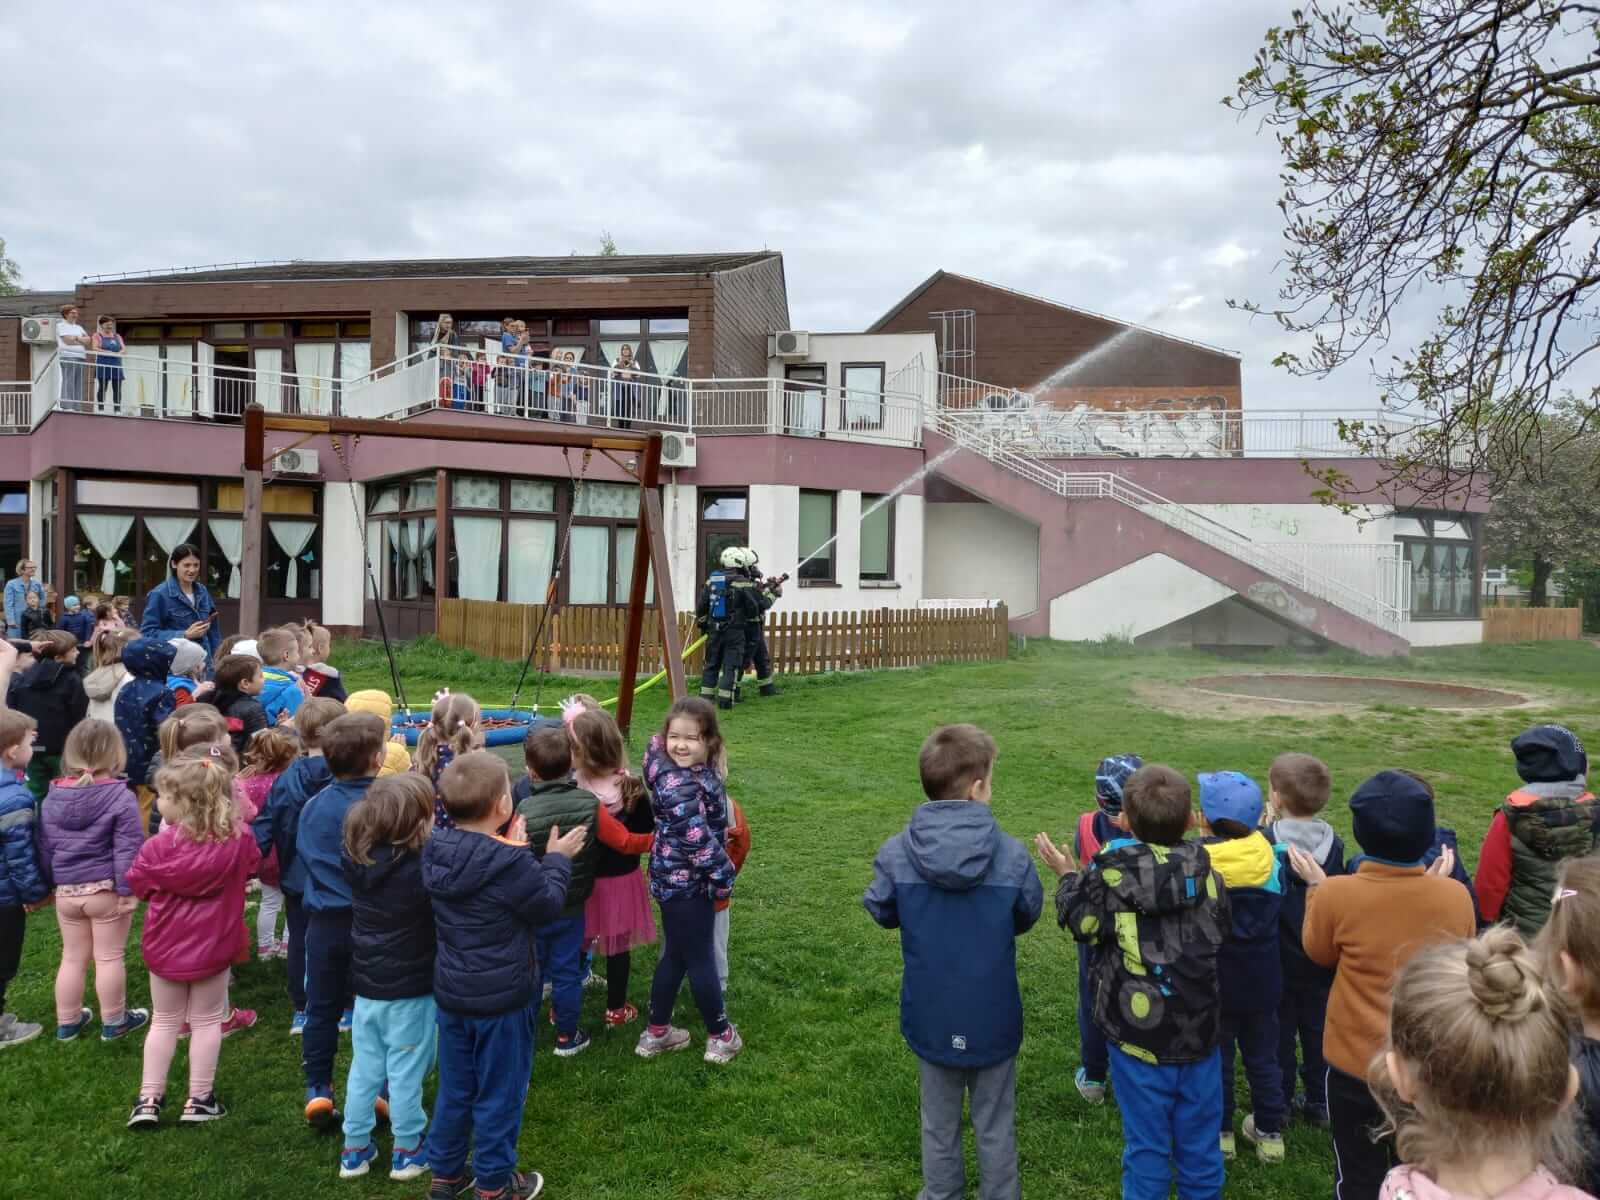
x: 489, y: 895
x: 144, y: 702
x: 391, y: 930
x: 319, y: 844
x: 51, y: 692
x: 959, y: 890
x: 1249, y: 969
x: 21, y: 879
x: 1317, y: 838
x: 278, y: 822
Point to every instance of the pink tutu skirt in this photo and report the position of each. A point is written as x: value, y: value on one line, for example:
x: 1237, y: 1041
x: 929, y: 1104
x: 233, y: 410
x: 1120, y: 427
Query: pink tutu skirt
x: 618, y: 913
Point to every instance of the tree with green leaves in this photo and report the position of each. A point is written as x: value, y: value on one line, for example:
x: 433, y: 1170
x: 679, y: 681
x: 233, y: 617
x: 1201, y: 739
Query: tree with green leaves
x: 10, y: 273
x: 1442, y: 162
x: 608, y: 245
x: 1547, y: 505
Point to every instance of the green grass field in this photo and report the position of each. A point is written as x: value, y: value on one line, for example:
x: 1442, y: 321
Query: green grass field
x: 823, y: 1103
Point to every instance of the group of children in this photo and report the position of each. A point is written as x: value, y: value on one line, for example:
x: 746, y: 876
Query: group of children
x: 422, y: 901
x: 1433, y: 1041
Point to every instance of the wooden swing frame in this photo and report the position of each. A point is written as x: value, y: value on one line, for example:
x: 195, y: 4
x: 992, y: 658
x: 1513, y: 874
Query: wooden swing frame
x: 649, y: 550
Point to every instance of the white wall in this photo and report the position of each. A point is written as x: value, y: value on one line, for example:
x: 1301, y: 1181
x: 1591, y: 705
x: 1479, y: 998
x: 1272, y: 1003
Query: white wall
x: 344, y: 577
x: 894, y: 350
x: 1298, y: 522
x: 1147, y: 594
x: 680, y: 515
x: 35, y: 546
x: 980, y: 552
x: 775, y: 535
x: 1443, y: 633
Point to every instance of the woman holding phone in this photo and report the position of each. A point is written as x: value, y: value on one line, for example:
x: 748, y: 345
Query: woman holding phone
x: 181, y: 607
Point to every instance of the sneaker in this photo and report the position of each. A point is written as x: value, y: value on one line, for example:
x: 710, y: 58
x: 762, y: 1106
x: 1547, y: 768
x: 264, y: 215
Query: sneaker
x: 726, y: 1048
x: 450, y: 1189
x: 625, y: 1015
x: 569, y: 1047
x: 1228, y: 1148
x: 298, y: 1025
x: 146, y: 1112
x: 1092, y: 1091
x: 347, y: 1020
x: 591, y: 981
x: 321, y: 1114
x: 239, y: 1018
x: 14, y: 1032
x: 1309, y: 1111
x: 652, y: 1044
x: 132, y: 1018
x: 355, y: 1162
x: 408, y: 1164
x: 65, y: 1033
x: 200, y: 1109
x: 523, y: 1185
x: 1269, y: 1146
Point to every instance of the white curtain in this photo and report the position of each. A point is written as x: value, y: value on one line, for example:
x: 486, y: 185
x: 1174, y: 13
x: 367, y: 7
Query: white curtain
x: 530, y: 556
x: 355, y: 360
x: 477, y: 557
x: 588, y: 564
x: 292, y: 538
x: 141, y: 387
x: 180, y: 380
x: 227, y: 534
x: 625, y: 547
x: 668, y: 357
x: 169, y: 533
x: 105, y: 532
x: 269, y: 379
x: 206, y: 355
x: 377, y: 561
x: 313, y: 364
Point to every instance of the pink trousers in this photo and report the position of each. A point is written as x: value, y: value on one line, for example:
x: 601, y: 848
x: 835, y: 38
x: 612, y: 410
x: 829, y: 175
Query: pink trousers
x: 92, y: 927
x: 204, y: 1004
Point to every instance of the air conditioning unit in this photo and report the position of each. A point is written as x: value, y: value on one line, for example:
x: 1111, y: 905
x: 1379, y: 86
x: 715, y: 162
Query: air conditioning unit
x: 297, y: 462
x: 791, y: 343
x: 677, y: 450
x: 39, y: 330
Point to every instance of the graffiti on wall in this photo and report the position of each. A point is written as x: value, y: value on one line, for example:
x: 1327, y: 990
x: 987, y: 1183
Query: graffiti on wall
x: 1186, y: 427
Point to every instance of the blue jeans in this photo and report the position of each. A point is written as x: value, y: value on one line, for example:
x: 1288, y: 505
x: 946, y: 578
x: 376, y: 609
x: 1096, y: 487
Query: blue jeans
x: 1304, y: 1011
x: 1257, y: 1036
x: 484, y: 1067
x: 1170, y: 1113
x: 560, y: 944
x: 686, y: 949
x: 395, y: 1042
x: 327, y: 990
x: 1091, y: 1042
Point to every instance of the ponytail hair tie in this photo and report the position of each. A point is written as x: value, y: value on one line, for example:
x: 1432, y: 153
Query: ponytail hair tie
x: 1562, y: 894
x: 571, y: 710
x: 215, y: 751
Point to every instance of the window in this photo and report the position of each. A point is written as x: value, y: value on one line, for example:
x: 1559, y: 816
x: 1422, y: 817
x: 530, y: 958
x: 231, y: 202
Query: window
x: 816, y: 537
x: 804, y: 398
x: 723, y: 523
x: 228, y: 331
x: 1444, y: 585
x: 669, y: 324
x: 863, y: 395
x: 628, y: 325
x: 402, y: 544
x: 877, y: 537
x: 723, y: 506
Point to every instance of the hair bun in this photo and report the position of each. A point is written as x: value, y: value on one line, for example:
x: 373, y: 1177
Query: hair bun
x: 1503, y: 976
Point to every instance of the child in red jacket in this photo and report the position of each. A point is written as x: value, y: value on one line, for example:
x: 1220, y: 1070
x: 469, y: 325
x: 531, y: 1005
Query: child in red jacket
x: 193, y: 875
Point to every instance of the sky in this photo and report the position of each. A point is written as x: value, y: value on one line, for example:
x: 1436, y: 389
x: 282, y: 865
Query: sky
x: 1075, y: 150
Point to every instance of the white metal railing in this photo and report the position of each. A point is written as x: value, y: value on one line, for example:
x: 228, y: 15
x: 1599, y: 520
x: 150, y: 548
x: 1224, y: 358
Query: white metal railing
x: 16, y: 406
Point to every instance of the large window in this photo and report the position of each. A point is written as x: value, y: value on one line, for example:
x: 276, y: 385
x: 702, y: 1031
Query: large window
x: 817, y: 547
x: 877, y: 537
x: 401, y: 534
x: 1444, y: 580
x: 862, y: 384
x: 724, y: 522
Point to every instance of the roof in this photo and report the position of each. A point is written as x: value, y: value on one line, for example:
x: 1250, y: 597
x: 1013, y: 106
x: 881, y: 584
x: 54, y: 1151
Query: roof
x: 906, y: 300
x: 26, y: 304
x: 301, y: 270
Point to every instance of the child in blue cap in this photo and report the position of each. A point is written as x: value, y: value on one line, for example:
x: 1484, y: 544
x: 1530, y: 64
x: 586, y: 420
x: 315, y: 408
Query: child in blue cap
x: 1248, y: 969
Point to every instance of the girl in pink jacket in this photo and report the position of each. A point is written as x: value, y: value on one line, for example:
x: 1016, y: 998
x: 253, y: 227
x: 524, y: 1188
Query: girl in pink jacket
x: 193, y: 874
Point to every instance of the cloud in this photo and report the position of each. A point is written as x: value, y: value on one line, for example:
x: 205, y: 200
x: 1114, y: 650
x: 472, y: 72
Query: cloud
x: 1228, y: 256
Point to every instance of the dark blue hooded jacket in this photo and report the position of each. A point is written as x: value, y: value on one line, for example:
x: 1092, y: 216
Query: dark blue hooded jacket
x: 21, y: 880
x: 959, y: 890
x: 278, y: 822
x: 144, y: 702
x: 319, y: 844
x: 391, y: 931
x: 489, y: 895
x: 1317, y: 838
x: 1249, y: 968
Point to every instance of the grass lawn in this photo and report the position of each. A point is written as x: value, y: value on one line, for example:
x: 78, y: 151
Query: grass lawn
x: 823, y: 1102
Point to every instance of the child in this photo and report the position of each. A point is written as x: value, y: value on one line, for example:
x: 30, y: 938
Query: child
x: 1569, y: 949
x: 689, y: 870
x: 105, y: 618
x: 280, y: 693
x: 618, y: 914
x: 277, y: 826
x: 89, y: 833
x: 51, y: 692
x: 193, y: 875
x: 1367, y: 925
x: 270, y: 753
x: 455, y: 726
x: 736, y: 838
x: 353, y: 747
x: 1552, y: 816
x: 1095, y: 828
x: 960, y: 891
x: 123, y: 608
x: 183, y: 677
x: 396, y: 758
x: 22, y: 883
x: 1475, y: 1077
x: 1298, y: 790
x: 320, y: 679
x: 239, y: 685
x: 1156, y: 915
x: 391, y: 968
x: 1249, y: 973
x: 78, y: 622
x: 109, y: 676
x: 36, y: 618
x: 489, y: 895
x: 141, y: 705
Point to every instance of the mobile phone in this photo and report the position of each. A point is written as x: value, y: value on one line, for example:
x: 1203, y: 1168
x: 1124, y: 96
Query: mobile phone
x: 212, y: 617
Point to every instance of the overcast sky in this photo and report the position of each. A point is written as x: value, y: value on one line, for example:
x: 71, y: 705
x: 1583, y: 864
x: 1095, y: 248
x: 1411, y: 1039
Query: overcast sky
x: 1075, y: 150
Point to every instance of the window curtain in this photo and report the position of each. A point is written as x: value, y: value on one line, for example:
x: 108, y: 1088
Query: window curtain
x: 355, y: 363
x: 377, y: 565
x: 141, y: 388
x: 170, y: 533
x: 180, y: 380
x: 617, y: 500
x: 667, y: 355
x: 228, y: 535
x: 530, y: 557
x: 105, y: 532
x: 415, y: 545
x: 477, y: 557
x: 588, y: 564
x: 292, y: 537
x: 269, y: 379
x: 625, y: 546
x: 313, y: 365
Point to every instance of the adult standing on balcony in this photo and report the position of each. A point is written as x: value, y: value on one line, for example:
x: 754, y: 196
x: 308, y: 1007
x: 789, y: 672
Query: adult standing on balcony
x: 16, y: 595
x: 625, y: 388
x: 442, y: 345
x: 72, y: 349
x: 108, y: 348
x: 180, y: 607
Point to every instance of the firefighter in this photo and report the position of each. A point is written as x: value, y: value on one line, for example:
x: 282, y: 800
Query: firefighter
x: 768, y: 589
x: 726, y: 609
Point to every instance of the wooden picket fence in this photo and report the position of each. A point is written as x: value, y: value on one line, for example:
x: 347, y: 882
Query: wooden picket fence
x: 1532, y: 624
x: 588, y: 638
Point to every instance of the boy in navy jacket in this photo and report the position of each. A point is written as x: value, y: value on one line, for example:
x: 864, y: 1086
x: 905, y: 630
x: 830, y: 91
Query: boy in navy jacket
x: 489, y: 897
x: 22, y: 883
x: 960, y: 891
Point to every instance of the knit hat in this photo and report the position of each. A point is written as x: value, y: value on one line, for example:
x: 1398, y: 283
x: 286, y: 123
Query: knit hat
x: 247, y: 647
x: 1110, y: 778
x: 187, y: 657
x: 1392, y: 817
x: 1549, y: 754
x: 1230, y: 796
x: 70, y: 602
x: 370, y: 701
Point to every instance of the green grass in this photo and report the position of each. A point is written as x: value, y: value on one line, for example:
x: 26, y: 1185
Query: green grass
x: 824, y: 1101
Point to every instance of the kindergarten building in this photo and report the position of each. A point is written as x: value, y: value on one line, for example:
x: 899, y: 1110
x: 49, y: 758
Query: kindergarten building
x: 1098, y: 478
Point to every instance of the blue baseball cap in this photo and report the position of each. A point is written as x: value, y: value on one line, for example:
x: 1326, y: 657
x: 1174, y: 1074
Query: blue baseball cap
x: 1110, y: 778
x: 71, y: 602
x: 1230, y: 796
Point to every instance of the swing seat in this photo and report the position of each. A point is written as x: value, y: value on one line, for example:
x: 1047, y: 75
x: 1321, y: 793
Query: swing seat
x: 501, y: 726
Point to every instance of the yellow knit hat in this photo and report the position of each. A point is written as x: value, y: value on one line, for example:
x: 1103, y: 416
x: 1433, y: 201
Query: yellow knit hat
x: 370, y: 701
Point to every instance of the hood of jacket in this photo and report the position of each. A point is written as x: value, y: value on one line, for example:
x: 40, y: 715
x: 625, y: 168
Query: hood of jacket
x: 44, y: 674
x: 952, y: 843
x: 1246, y: 862
x: 101, y: 683
x: 461, y: 863
x: 76, y: 808
x: 148, y: 658
x: 1155, y: 880
x: 1311, y: 834
x: 172, y: 861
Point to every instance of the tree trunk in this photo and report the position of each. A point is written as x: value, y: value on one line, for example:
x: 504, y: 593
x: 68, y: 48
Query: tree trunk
x: 1539, y: 596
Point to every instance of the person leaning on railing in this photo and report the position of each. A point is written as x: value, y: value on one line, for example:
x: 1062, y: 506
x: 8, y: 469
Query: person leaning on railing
x: 72, y: 349
x: 108, y: 348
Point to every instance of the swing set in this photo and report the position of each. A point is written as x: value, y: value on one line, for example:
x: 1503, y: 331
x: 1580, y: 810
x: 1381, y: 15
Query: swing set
x: 649, y: 550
